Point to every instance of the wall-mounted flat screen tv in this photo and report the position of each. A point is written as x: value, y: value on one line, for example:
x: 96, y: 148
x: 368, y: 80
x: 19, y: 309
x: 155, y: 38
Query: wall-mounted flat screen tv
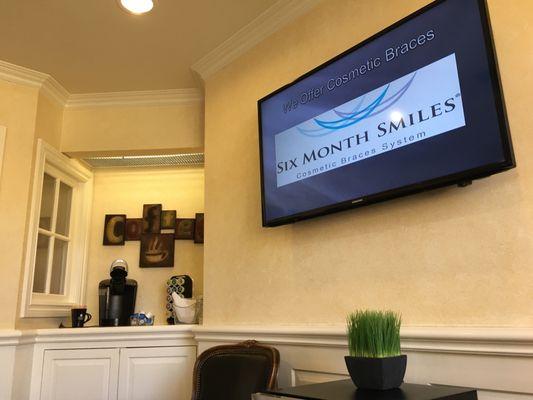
x: 416, y: 106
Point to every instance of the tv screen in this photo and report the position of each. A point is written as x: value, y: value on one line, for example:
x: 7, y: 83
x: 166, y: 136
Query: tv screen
x: 414, y: 107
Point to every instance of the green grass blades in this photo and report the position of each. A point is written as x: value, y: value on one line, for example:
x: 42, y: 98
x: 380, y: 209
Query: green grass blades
x: 374, y: 334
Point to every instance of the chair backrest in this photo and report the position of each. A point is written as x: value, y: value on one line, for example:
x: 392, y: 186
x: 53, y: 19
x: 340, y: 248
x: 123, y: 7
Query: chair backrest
x: 234, y: 372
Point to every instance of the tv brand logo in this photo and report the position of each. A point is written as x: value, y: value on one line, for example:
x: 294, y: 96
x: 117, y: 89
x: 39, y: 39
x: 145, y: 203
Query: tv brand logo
x: 425, y: 103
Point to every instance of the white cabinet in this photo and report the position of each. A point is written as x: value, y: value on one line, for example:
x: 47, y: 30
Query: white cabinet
x: 107, y: 363
x: 163, y: 373
x: 93, y: 374
x: 80, y: 374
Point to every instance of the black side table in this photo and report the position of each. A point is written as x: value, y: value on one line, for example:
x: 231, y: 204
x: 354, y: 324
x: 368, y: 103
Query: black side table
x: 345, y: 390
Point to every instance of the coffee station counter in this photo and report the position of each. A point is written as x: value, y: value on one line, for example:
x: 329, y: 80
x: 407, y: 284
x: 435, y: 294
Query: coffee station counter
x: 112, y: 360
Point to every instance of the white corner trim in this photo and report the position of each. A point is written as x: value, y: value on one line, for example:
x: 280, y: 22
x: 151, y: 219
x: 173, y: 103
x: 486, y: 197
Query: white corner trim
x: 25, y: 76
x: 270, y: 21
x: 135, y: 98
x: 501, y: 341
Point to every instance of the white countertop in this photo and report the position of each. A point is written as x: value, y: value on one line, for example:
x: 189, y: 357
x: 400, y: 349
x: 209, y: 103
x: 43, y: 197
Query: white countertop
x: 89, y: 330
x: 112, y: 333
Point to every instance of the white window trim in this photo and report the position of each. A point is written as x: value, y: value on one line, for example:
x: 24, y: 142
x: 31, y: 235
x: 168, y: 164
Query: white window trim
x: 52, y: 305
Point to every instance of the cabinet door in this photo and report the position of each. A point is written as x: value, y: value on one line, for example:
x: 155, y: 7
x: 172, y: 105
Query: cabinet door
x: 88, y: 374
x: 163, y: 373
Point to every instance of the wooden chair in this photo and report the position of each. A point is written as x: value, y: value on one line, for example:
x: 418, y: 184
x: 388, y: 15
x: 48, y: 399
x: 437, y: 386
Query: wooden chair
x: 234, y: 372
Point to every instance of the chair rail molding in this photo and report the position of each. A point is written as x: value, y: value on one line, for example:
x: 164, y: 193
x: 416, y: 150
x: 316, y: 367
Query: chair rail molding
x: 474, y: 340
x: 9, y: 337
x: 270, y: 21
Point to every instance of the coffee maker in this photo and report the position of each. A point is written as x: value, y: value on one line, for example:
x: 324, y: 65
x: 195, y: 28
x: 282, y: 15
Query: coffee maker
x: 117, y: 296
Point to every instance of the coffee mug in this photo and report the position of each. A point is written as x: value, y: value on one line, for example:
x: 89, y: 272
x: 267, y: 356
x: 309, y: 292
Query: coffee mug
x: 79, y: 317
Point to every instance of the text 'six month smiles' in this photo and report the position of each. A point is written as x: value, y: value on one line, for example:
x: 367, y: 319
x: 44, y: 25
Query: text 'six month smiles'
x: 382, y: 129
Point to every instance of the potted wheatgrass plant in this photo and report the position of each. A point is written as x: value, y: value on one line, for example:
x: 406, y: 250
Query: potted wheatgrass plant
x: 375, y: 361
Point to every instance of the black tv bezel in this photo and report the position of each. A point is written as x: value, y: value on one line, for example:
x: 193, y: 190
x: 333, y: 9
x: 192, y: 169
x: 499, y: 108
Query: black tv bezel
x: 447, y: 180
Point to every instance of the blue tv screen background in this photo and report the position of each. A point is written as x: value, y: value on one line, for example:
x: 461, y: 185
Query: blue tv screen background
x: 457, y: 36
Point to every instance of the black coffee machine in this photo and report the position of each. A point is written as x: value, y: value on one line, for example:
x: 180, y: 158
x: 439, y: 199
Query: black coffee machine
x: 117, y: 296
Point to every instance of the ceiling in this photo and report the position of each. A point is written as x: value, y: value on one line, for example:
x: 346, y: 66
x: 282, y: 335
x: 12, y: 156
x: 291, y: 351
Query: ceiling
x: 93, y: 46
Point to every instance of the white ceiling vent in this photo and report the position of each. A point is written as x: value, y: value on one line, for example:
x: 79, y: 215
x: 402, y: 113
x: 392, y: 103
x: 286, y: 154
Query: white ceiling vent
x: 160, y: 160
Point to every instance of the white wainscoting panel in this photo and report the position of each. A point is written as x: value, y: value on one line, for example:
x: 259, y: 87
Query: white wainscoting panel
x: 8, y: 345
x: 33, y: 346
x: 84, y: 374
x: 496, y: 361
x: 163, y: 373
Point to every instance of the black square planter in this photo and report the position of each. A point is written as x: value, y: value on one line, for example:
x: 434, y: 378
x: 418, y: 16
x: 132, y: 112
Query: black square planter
x: 377, y: 373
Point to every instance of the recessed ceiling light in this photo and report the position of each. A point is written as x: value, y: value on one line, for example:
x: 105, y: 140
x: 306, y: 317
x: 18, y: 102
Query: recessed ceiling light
x: 137, y: 7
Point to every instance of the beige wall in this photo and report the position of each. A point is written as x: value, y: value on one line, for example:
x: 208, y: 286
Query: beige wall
x: 49, y: 120
x: 18, y: 106
x: 48, y: 124
x: 132, y: 128
x: 124, y: 192
x: 27, y: 115
x: 447, y: 257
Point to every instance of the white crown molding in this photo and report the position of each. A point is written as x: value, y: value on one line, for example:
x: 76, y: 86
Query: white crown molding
x: 135, y: 98
x: 29, y: 77
x: 55, y: 91
x: 270, y: 21
x: 17, y: 74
